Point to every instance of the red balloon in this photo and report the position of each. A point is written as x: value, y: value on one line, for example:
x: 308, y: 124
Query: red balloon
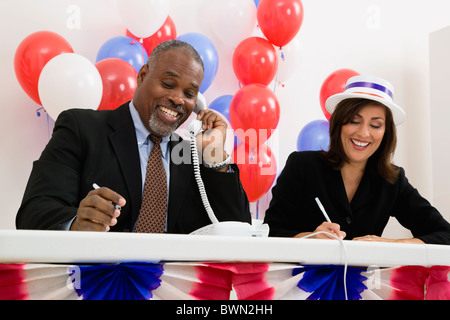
x: 254, y: 113
x: 255, y: 61
x: 119, y: 82
x: 280, y: 20
x: 31, y: 56
x: 166, y: 32
x: 334, y: 83
x: 257, y: 169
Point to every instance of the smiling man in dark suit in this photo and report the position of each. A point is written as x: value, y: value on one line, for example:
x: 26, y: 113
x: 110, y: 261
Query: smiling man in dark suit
x: 110, y: 148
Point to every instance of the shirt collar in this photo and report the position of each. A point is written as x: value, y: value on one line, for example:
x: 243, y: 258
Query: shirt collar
x: 142, y: 134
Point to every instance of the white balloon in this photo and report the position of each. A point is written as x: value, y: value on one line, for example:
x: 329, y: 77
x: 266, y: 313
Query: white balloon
x: 143, y: 17
x: 69, y: 80
x: 233, y: 20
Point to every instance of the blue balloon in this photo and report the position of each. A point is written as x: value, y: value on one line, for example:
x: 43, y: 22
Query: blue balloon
x: 222, y: 104
x: 207, y: 52
x: 125, y: 48
x: 314, y: 136
x: 256, y: 2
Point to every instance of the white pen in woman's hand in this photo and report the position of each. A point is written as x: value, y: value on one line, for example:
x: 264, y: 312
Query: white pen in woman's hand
x: 323, y: 210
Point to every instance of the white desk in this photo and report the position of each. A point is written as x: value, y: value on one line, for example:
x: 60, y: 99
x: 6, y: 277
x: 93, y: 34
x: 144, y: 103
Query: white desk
x: 39, y: 265
x: 92, y: 247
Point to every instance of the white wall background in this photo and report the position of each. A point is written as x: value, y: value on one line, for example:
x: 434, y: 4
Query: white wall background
x: 440, y: 113
x: 380, y: 37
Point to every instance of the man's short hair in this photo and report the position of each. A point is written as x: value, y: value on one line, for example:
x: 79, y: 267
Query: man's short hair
x: 177, y: 45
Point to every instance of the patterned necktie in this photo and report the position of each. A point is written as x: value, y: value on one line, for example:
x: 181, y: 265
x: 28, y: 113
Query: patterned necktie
x: 152, y: 217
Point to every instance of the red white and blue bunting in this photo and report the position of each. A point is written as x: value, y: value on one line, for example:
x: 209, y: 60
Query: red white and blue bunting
x: 221, y: 281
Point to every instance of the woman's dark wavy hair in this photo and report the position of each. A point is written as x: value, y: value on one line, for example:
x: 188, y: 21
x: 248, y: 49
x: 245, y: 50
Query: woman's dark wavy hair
x: 381, y: 161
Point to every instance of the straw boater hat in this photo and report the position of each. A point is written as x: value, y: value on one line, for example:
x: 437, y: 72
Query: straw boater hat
x: 372, y: 88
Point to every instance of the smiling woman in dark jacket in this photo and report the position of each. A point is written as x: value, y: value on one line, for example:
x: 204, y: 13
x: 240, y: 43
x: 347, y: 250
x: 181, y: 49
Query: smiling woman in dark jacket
x: 355, y: 180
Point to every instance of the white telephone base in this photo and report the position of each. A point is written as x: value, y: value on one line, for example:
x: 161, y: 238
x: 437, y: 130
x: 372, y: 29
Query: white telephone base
x: 233, y: 228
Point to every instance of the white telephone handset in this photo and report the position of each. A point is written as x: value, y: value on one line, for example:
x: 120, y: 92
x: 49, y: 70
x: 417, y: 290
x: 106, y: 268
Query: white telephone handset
x: 195, y: 126
x: 225, y: 228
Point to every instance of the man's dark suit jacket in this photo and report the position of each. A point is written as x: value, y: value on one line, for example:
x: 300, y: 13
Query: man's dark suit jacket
x: 306, y: 175
x: 100, y: 146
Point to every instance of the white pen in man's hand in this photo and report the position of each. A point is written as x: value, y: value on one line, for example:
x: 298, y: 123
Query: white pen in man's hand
x: 323, y: 210
x: 115, y: 205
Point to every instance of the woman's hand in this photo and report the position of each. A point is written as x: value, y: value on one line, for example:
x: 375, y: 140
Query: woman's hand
x: 326, y: 230
x: 380, y: 239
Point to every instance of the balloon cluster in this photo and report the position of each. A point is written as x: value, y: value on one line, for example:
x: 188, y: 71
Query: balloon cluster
x: 56, y: 78
x: 315, y: 134
x: 254, y: 110
x: 53, y: 75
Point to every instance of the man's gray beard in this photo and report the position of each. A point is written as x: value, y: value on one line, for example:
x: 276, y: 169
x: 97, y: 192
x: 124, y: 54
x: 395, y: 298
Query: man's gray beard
x: 156, y: 125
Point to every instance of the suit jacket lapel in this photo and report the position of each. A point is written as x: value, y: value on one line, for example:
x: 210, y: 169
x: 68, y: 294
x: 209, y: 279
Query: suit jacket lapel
x: 180, y: 177
x: 364, y: 193
x: 335, y: 184
x: 123, y: 141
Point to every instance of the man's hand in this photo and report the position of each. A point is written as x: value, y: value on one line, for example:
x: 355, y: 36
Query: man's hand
x: 97, y: 211
x: 212, y: 140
